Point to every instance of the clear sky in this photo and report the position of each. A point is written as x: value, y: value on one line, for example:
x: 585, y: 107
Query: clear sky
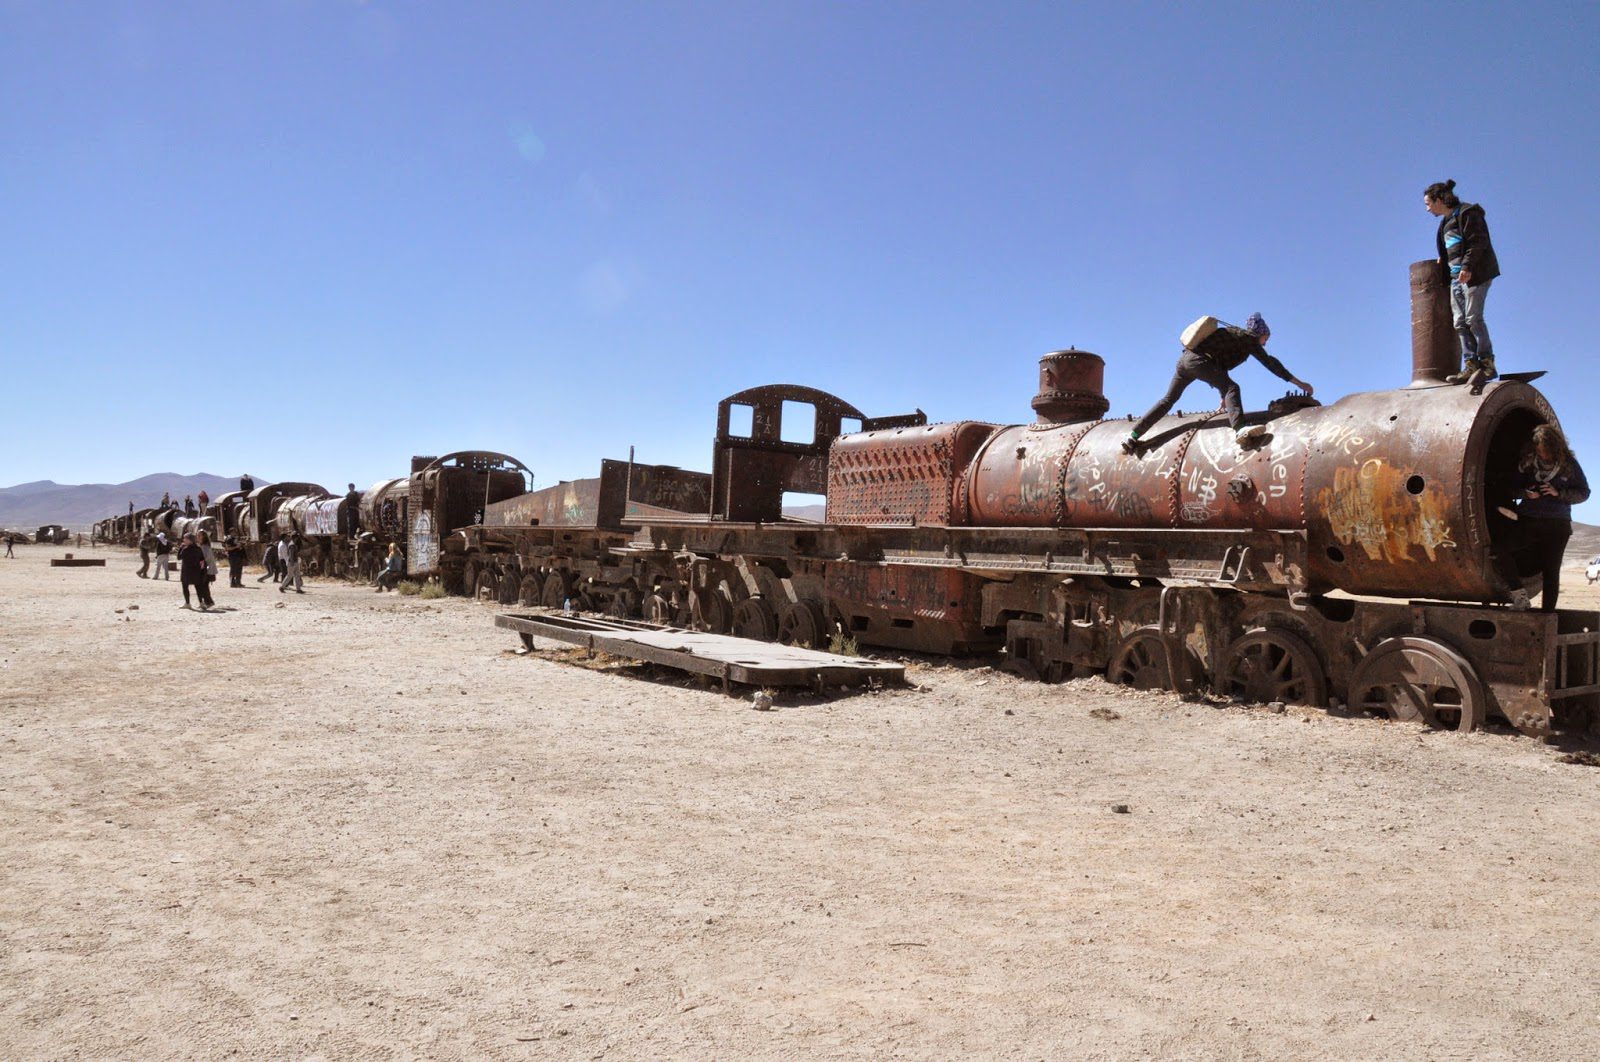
x: 312, y: 238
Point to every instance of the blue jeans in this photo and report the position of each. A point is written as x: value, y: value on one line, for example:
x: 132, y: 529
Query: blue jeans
x: 1466, y: 310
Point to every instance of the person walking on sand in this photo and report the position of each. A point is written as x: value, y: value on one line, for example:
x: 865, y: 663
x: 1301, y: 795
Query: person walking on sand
x: 1219, y: 349
x: 10, y: 552
x: 235, y: 562
x: 269, y: 562
x: 163, y: 554
x: 192, y: 571
x: 1465, y: 250
x: 289, y: 550
x: 146, y: 543
x: 209, y: 576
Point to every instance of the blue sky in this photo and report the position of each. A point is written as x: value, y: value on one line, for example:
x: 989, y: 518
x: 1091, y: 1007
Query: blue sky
x: 310, y: 239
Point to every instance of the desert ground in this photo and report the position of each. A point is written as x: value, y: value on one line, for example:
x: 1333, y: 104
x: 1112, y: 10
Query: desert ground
x: 368, y: 826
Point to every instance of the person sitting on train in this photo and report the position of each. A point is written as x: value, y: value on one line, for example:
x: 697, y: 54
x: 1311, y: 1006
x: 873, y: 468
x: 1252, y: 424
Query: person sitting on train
x: 1547, y: 483
x: 246, y: 484
x: 1211, y: 360
x: 394, y: 568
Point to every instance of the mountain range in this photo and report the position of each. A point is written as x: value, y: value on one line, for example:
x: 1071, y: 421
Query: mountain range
x: 28, y: 506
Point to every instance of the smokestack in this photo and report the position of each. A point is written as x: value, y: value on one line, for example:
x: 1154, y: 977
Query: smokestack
x: 1071, y: 387
x: 1435, y: 351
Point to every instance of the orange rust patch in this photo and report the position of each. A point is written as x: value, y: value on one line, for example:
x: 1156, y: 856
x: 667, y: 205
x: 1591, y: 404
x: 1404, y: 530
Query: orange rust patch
x: 1369, y: 505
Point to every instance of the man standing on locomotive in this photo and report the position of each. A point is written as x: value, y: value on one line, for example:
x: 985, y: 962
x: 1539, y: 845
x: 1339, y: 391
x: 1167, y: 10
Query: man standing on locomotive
x: 1211, y: 359
x: 1465, y: 250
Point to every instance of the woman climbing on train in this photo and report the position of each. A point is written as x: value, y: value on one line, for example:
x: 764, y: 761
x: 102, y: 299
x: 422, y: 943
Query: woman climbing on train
x: 1548, y: 482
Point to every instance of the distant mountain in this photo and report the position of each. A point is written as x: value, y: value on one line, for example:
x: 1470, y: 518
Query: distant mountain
x: 27, y: 506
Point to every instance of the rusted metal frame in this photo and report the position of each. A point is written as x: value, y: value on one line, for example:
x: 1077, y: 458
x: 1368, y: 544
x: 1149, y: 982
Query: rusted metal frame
x: 612, y: 636
x: 1189, y: 554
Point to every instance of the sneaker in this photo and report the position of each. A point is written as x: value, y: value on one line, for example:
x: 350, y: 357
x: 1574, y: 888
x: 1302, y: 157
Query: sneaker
x: 1520, y: 601
x: 1486, y: 366
x: 1250, y: 433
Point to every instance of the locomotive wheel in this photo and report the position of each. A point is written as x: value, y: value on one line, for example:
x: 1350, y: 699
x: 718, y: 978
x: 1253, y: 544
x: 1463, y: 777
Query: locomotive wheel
x: 1419, y: 680
x: 555, y: 590
x: 531, y: 590
x: 712, y: 610
x: 801, y: 624
x: 1141, y: 662
x: 753, y: 618
x: 658, y: 609
x: 1265, y: 665
x: 487, y: 588
x: 510, y: 588
x: 624, y: 603
x: 469, y: 576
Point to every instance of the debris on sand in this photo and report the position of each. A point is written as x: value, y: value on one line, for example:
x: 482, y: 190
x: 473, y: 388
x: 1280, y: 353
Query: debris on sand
x: 1586, y: 759
x: 1121, y: 809
x: 1104, y: 713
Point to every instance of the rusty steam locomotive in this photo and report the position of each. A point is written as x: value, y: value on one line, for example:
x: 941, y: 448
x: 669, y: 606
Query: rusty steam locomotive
x: 1345, y: 559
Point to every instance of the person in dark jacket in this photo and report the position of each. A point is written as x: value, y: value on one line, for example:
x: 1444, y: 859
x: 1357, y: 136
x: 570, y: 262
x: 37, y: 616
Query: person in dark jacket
x: 1210, y: 361
x: 1465, y: 250
x: 235, y: 561
x: 1548, y: 482
x: 246, y: 484
x: 192, y: 571
x: 147, y: 542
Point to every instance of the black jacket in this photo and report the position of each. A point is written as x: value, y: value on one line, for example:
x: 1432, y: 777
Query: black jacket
x: 1477, y: 253
x: 1229, y: 345
x: 192, y: 562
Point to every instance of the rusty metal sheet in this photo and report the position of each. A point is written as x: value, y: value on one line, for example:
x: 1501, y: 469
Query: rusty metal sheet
x: 325, y: 518
x: 902, y: 475
x: 606, y: 501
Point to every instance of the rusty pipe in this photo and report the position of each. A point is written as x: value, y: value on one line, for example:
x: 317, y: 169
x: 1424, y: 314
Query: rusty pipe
x: 1435, y: 352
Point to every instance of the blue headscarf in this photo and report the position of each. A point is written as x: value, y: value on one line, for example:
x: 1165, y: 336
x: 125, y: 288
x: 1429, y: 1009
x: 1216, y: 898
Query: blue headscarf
x: 1256, y: 325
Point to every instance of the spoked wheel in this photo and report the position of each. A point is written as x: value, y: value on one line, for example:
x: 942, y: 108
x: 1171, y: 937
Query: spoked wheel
x: 530, y: 591
x: 1141, y: 662
x: 1420, y: 680
x: 658, y: 609
x: 510, y: 588
x: 712, y: 610
x: 801, y: 623
x: 556, y: 590
x: 754, y: 618
x: 1265, y: 665
x: 487, y: 588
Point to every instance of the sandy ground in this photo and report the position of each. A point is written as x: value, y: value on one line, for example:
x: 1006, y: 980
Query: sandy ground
x: 364, y: 826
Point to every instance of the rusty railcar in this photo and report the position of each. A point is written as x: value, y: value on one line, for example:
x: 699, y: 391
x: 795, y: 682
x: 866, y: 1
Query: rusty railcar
x: 1347, y: 558
x: 576, y: 541
x: 449, y: 492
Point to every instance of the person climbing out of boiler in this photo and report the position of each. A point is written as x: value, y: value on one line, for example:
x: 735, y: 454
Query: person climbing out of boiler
x: 1211, y: 349
x: 1548, y: 482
